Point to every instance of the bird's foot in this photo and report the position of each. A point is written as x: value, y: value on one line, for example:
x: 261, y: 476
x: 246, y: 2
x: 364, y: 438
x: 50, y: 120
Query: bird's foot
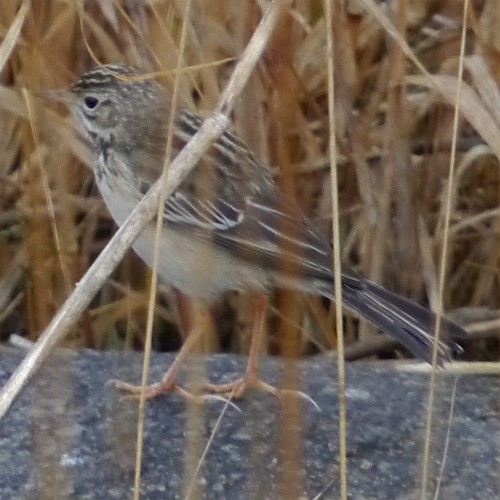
x: 237, y: 388
x: 158, y: 388
x: 207, y: 391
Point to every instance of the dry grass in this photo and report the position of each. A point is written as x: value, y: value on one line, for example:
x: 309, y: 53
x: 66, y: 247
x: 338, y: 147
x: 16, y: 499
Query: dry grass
x: 393, y: 137
x: 394, y: 132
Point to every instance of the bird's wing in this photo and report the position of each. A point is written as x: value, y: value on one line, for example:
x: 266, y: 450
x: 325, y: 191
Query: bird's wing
x: 231, y: 200
x: 252, y: 220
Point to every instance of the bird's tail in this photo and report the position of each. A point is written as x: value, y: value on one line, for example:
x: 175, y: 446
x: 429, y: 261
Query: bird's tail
x: 408, y: 322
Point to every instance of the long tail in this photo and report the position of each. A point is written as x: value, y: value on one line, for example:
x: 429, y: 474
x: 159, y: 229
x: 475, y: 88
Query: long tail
x: 408, y: 322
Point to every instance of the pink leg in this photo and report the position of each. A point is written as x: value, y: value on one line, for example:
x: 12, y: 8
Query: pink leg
x: 185, y: 311
x: 237, y: 388
x: 233, y: 389
x: 250, y: 379
x: 167, y: 383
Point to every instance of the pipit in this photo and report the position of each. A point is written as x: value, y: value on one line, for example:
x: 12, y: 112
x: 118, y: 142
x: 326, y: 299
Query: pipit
x: 228, y: 226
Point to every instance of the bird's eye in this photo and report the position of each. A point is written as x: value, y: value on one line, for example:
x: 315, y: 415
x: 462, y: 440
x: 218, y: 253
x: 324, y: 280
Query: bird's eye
x: 91, y: 102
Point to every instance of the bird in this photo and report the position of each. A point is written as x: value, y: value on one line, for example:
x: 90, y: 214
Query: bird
x: 228, y: 226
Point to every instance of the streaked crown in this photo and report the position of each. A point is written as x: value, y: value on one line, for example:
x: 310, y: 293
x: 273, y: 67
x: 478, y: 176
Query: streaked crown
x: 104, y: 78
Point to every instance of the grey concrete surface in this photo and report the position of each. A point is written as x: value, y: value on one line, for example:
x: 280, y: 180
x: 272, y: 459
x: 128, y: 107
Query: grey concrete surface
x: 70, y: 435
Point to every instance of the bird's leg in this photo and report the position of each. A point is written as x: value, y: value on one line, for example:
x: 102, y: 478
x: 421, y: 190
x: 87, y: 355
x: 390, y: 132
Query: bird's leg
x: 250, y: 379
x: 236, y: 388
x: 230, y: 390
x: 184, y: 313
x: 167, y: 383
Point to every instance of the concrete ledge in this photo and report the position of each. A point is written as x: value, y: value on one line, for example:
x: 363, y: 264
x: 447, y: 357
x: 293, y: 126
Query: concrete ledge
x: 70, y: 435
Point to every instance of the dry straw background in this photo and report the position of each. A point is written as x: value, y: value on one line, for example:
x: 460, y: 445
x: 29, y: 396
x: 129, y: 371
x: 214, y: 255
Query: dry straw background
x: 396, y: 82
x: 394, y: 133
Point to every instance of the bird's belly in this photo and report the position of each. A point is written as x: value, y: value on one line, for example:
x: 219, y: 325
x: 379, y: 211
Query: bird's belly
x: 190, y: 264
x: 194, y: 266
